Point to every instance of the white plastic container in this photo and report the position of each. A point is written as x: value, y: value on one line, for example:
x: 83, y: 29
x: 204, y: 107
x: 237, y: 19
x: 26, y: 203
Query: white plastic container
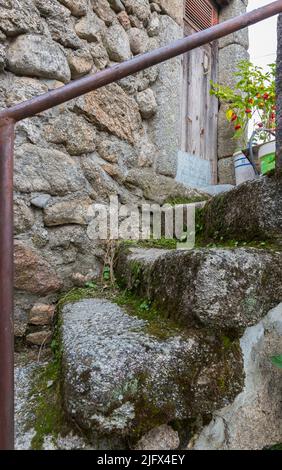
x: 244, y: 170
x: 266, y: 155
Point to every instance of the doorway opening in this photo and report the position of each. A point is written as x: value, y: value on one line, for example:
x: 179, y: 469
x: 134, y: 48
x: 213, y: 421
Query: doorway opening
x: 200, y: 66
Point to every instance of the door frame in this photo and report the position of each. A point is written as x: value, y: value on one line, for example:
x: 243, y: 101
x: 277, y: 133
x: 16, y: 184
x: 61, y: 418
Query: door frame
x: 184, y: 95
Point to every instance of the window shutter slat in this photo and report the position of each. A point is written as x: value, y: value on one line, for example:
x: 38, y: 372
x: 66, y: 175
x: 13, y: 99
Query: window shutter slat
x: 201, y: 14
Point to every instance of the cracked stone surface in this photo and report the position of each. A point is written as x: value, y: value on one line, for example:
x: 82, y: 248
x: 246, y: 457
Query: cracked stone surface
x: 254, y: 420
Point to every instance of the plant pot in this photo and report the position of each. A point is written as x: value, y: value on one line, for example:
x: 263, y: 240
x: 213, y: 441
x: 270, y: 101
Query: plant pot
x: 244, y: 170
x: 266, y: 155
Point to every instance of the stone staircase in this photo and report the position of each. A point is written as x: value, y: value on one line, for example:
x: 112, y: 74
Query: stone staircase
x: 178, y: 355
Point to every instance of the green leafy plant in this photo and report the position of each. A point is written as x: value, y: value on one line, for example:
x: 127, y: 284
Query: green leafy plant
x: 90, y: 284
x: 107, y: 273
x: 277, y: 361
x: 251, y: 100
x: 146, y: 305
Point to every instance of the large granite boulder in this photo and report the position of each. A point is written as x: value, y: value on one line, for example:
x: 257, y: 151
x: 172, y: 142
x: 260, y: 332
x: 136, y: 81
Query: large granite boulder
x: 90, y: 28
x: 33, y: 273
x: 161, y: 189
x: 69, y: 210
x: 121, y: 380
x: 111, y: 110
x: 33, y: 55
x: 77, y: 7
x: 172, y: 8
x: 250, y: 211
x: 117, y: 44
x: 223, y: 289
x: 47, y: 170
x: 139, y: 8
x: 19, y: 18
x: 74, y: 132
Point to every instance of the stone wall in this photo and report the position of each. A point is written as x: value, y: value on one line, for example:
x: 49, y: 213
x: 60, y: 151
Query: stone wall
x: 79, y: 153
x: 232, y: 49
x: 122, y: 139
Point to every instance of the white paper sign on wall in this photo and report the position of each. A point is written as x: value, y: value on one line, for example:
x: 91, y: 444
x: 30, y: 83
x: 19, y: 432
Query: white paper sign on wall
x: 193, y: 171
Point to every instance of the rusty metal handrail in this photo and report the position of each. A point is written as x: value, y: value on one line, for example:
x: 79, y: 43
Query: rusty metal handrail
x: 93, y: 82
x: 8, y: 119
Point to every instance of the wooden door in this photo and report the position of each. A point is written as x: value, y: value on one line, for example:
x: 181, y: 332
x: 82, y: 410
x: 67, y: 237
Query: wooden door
x: 200, y: 109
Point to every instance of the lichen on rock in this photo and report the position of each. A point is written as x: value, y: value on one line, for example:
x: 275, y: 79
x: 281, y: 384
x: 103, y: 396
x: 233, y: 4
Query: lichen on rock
x: 120, y: 382
x: 220, y: 288
x: 37, y: 56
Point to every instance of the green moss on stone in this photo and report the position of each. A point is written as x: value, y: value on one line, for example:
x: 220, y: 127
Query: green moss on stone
x: 226, y: 342
x: 157, y: 325
x: 136, y: 270
x: 234, y: 244
x: 75, y: 295
x: 45, y: 395
x: 163, y: 243
x: 221, y: 383
x: 46, y: 404
x: 149, y: 413
x: 177, y: 201
x: 149, y: 416
x: 276, y: 447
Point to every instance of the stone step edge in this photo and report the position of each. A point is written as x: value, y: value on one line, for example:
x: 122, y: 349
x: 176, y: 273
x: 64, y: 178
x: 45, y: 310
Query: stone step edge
x: 220, y: 288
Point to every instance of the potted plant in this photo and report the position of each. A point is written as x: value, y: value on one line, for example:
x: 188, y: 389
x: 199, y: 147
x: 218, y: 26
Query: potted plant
x: 252, y: 107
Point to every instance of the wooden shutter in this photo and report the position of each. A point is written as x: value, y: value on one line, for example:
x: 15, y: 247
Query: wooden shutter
x: 201, y: 14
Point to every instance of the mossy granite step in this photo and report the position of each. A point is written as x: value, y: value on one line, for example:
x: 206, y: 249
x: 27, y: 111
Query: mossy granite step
x: 251, y: 211
x: 223, y: 289
x: 121, y: 381
x: 123, y: 386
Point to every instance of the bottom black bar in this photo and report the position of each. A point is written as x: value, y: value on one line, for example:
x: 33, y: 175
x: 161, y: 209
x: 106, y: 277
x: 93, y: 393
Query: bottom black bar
x: 136, y: 459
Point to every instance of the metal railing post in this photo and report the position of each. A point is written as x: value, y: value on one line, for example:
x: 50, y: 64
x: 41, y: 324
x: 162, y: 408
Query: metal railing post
x: 7, y: 129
